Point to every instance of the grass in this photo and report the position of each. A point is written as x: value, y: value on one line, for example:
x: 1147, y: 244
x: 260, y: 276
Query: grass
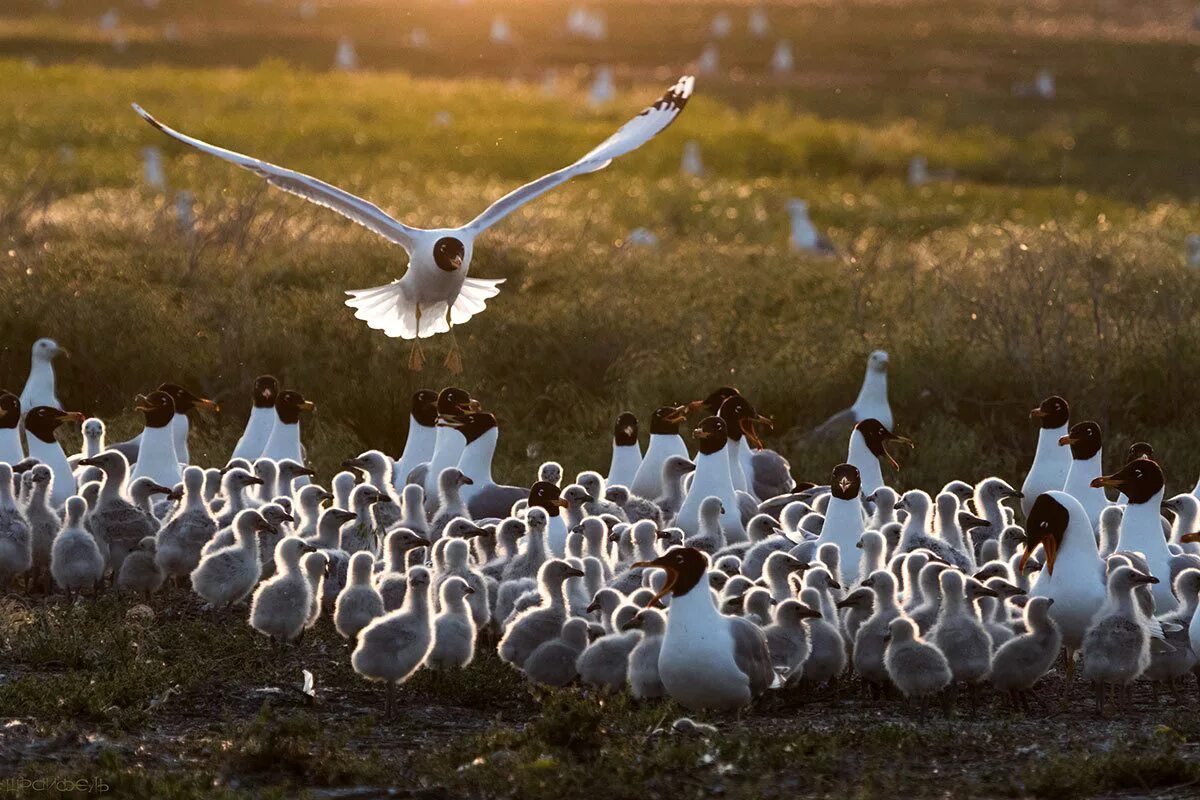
x: 1052, y: 262
x: 86, y: 705
x: 1080, y: 293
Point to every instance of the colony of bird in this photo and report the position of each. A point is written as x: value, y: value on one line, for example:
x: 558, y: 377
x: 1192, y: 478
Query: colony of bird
x: 697, y: 569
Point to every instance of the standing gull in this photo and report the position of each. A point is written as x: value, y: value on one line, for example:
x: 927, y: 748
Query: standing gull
x: 39, y: 387
x: 484, y: 497
x: 262, y: 419
x: 40, y: 424
x: 449, y: 442
x: 868, y: 444
x: 626, y: 453
x: 422, y: 431
x: 665, y: 442
x: 871, y: 403
x: 1141, y: 480
x: 16, y: 541
x: 1073, y: 574
x: 284, y: 441
x: 712, y: 479
x: 435, y: 293
x: 1051, y: 462
x: 394, y: 646
x: 156, y: 455
x: 708, y: 660
x: 184, y: 401
x: 804, y: 236
x: 844, y: 520
x: 740, y: 421
x: 546, y: 496
x: 1086, y: 453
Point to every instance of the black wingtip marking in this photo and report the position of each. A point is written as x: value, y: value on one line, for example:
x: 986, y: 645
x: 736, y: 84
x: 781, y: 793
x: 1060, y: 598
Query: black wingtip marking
x: 149, y: 119
x: 676, y: 98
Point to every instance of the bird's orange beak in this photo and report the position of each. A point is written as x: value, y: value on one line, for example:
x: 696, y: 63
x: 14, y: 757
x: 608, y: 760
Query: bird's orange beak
x: 679, y: 415
x: 672, y: 576
x: 1051, y: 546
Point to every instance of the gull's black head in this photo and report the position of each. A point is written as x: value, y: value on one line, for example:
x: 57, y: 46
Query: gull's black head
x: 711, y: 435
x: 10, y: 410
x: 625, y: 431
x: 845, y: 483
x: 1046, y: 524
x: 1053, y: 412
x: 1141, y: 479
x: 1140, y: 450
x: 44, y: 420
x: 877, y: 436
x: 1085, y: 440
x: 685, y: 567
x: 290, y: 404
x: 712, y: 403
x: 740, y: 419
x: 424, y: 407
x: 472, y: 425
x: 184, y: 400
x: 448, y: 253
x: 546, y: 495
x: 733, y: 410
x: 158, y: 408
x: 453, y: 400
x: 266, y: 391
x: 665, y: 419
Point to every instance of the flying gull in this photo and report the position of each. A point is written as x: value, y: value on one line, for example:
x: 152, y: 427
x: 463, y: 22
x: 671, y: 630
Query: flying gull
x: 435, y: 292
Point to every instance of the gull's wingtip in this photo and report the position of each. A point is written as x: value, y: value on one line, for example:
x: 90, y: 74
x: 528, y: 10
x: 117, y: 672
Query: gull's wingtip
x: 144, y: 114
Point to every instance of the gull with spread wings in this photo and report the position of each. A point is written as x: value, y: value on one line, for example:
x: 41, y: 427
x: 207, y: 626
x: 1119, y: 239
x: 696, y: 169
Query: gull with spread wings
x: 435, y: 293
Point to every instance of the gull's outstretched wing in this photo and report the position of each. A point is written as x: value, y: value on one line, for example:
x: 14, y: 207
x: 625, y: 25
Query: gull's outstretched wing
x: 366, y: 214
x: 632, y: 135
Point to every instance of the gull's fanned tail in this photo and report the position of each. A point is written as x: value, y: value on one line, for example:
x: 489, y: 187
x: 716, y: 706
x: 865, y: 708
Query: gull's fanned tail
x: 473, y: 298
x: 388, y: 308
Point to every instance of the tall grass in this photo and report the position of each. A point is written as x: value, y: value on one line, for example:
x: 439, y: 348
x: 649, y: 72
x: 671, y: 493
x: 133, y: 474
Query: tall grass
x: 988, y: 295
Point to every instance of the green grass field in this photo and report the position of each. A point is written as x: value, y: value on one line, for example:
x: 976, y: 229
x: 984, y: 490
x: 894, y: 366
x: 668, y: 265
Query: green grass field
x: 1054, y: 261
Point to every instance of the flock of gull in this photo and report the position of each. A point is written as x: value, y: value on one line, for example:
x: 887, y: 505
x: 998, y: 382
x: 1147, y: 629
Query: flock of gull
x: 697, y: 569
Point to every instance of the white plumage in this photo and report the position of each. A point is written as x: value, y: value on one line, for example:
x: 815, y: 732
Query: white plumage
x: 436, y: 291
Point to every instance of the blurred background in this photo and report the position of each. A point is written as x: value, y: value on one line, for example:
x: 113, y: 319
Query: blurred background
x: 1008, y: 189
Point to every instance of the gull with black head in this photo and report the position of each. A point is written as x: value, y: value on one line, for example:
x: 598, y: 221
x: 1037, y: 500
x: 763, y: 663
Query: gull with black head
x: 708, y: 660
x: 262, y: 419
x: 435, y: 293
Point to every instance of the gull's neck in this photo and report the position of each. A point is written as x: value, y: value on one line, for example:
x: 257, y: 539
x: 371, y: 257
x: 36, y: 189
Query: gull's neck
x: 1141, y: 528
x: 874, y: 390
x: 418, y: 449
x: 179, y: 432
x: 476, y: 459
x: 41, y: 377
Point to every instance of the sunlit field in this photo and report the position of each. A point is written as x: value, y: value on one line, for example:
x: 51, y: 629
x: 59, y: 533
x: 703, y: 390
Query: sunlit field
x: 1049, y: 256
